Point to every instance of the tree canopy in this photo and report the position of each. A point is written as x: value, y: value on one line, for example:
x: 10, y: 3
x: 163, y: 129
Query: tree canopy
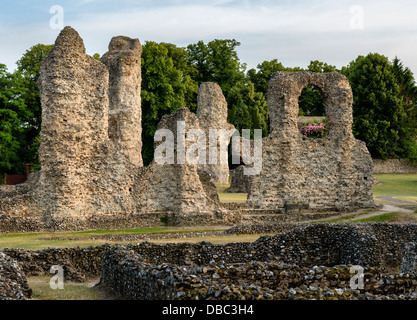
x: 217, y: 61
x: 13, y: 112
x: 384, y: 106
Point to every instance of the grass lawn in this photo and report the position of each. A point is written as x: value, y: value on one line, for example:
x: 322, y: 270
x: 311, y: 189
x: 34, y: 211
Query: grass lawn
x: 34, y: 241
x: 230, y: 197
x: 72, y: 291
x: 404, y: 185
x: 393, y: 217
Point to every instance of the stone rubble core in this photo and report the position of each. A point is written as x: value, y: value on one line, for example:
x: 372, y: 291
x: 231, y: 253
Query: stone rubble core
x: 92, y: 172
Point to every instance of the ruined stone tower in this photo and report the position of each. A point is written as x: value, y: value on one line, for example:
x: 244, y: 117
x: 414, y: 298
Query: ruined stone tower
x: 212, y: 113
x: 123, y: 61
x: 73, y: 88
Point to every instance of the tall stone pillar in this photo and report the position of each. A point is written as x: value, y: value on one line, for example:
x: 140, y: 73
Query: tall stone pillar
x: 212, y: 114
x: 123, y: 61
x: 73, y: 88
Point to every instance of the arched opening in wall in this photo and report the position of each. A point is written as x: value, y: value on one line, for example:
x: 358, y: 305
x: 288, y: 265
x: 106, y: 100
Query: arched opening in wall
x: 312, y: 113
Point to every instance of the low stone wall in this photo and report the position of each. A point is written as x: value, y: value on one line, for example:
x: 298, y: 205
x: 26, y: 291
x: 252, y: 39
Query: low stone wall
x: 131, y: 277
x: 77, y: 263
x: 394, y: 166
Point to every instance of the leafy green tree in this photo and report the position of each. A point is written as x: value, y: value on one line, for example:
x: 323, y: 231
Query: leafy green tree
x: 217, y: 61
x: 13, y: 113
x: 320, y: 67
x: 166, y: 86
x: 28, y: 72
x: 249, y: 108
x: 380, y: 108
x: 408, y: 91
x: 261, y: 77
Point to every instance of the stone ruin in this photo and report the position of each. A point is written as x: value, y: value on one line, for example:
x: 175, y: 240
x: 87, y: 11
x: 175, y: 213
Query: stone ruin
x: 92, y: 173
x: 333, y: 173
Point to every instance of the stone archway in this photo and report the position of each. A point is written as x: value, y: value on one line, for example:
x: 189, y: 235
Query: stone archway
x: 285, y: 88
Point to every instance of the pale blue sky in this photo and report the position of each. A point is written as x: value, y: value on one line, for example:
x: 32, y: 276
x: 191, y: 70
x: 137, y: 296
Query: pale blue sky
x: 292, y: 31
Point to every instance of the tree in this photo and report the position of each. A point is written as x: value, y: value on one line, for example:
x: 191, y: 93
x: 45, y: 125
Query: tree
x: 408, y: 90
x: 217, y: 61
x: 380, y: 108
x: 28, y: 72
x: 249, y: 108
x: 261, y: 77
x: 166, y: 86
x: 320, y: 67
x: 13, y: 113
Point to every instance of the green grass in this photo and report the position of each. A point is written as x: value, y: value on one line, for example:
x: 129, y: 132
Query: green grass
x: 221, y: 188
x: 72, y: 291
x: 396, y: 184
x: 35, y: 241
x: 347, y: 217
x: 230, y: 197
x: 393, y: 217
x: 233, y: 197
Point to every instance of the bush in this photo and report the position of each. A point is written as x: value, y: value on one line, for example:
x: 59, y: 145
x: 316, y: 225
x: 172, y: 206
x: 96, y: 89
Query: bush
x: 314, y: 129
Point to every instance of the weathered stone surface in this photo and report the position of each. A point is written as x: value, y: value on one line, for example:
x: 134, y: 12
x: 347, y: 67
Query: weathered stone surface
x: 302, y: 261
x: 85, y: 177
x: 125, y: 114
x: 176, y: 189
x: 409, y: 258
x: 212, y: 113
x: 334, y: 173
x: 394, y: 166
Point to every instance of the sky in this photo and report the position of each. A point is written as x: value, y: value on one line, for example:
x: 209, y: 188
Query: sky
x: 294, y: 32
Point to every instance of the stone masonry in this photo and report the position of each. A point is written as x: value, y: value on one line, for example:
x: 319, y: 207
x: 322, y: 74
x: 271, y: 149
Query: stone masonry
x: 89, y: 143
x: 73, y: 88
x: 334, y: 173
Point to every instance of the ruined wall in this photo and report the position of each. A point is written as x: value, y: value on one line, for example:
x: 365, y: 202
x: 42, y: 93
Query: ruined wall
x: 86, y: 178
x: 311, y: 259
x: 212, y: 113
x: 394, y: 166
x: 240, y: 183
x: 334, y: 173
